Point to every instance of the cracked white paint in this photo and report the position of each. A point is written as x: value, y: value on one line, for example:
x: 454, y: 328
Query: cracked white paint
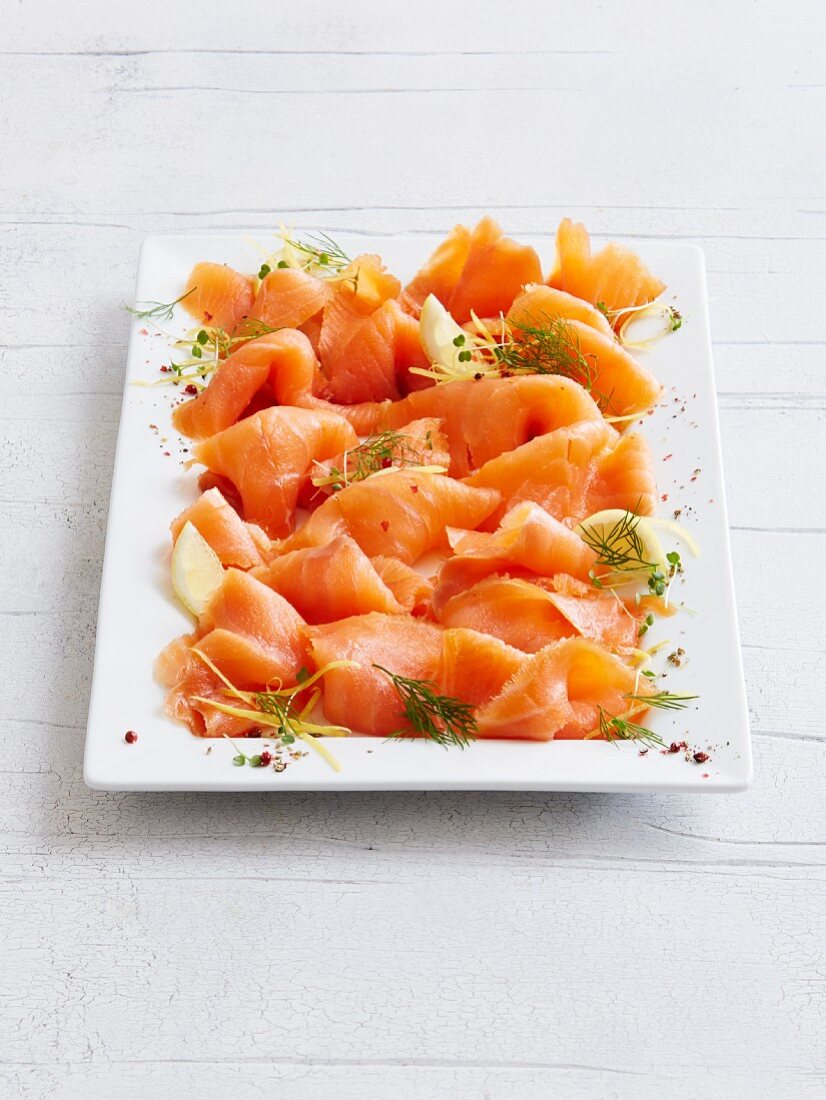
x: 431, y: 945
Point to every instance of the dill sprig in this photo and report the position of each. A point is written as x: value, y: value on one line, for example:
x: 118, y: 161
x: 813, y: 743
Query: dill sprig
x: 156, y: 311
x: 620, y: 727
x: 440, y: 718
x: 616, y: 728
x: 532, y: 345
x: 621, y: 548
x: 664, y: 700
x: 318, y: 251
x: 378, y: 452
x: 622, y: 551
x: 547, y: 345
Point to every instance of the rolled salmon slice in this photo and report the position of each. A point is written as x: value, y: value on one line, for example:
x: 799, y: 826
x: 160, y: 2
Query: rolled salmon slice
x: 528, y: 616
x: 357, y: 344
x: 400, y: 514
x: 573, y: 472
x: 217, y: 296
x: 538, y: 303
x: 248, y: 632
x: 460, y: 663
x: 289, y: 297
x: 480, y: 270
x: 483, y: 418
x: 330, y: 582
x: 188, y: 679
x: 615, y: 276
x: 619, y: 383
x: 285, y: 359
x: 527, y: 538
x: 252, y: 634
x: 231, y: 539
x: 269, y: 455
x: 558, y: 693
x: 413, y: 591
x: 364, y: 698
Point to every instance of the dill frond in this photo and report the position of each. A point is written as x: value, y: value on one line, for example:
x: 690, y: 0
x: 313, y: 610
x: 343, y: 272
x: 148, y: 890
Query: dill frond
x: 156, y: 311
x: 616, y: 728
x: 664, y: 700
x: 387, y: 450
x: 441, y: 718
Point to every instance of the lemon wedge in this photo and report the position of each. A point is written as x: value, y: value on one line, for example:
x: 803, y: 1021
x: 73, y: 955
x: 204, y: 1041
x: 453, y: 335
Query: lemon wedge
x: 196, y: 570
x: 626, y: 534
x: 438, y: 333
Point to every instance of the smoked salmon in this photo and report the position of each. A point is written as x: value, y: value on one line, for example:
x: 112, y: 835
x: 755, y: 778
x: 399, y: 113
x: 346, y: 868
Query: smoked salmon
x: 405, y: 646
x: 217, y: 296
x: 400, y: 514
x: 480, y: 270
x: 329, y: 582
x: 460, y: 663
x: 538, y: 303
x: 527, y: 540
x: 288, y: 297
x: 484, y: 418
x: 269, y: 455
x: 284, y: 359
x: 530, y: 616
x: 235, y: 542
x: 357, y: 344
x: 414, y: 514
x: 560, y: 693
x: 573, y: 473
x: 615, y: 277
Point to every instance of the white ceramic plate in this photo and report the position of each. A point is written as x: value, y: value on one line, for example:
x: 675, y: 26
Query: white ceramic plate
x: 138, y: 614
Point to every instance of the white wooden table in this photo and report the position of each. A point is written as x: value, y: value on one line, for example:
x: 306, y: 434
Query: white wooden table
x: 512, y: 947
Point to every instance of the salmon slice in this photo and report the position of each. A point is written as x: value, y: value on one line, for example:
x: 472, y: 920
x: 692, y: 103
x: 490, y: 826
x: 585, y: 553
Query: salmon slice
x: 558, y: 693
x: 492, y: 270
x: 289, y: 297
x: 539, y: 302
x: 285, y: 359
x: 460, y: 663
x: 408, y: 352
x: 364, y: 698
x: 330, y: 582
x: 619, y: 384
x: 615, y: 276
x: 231, y: 539
x: 187, y: 678
x: 419, y: 443
x: 269, y: 455
x: 441, y: 273
x: 486, y: 417
x: 357, y: 344
x: 595, y: 614
x: 529, y: 617
x: 527, y: 538
x: 400, y: 514
x: 413, y: 591
x: 573, y: 472
x: 217, y: 296
x: 475, y: 667
x: 528, y: 543
x: 252, y: 634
